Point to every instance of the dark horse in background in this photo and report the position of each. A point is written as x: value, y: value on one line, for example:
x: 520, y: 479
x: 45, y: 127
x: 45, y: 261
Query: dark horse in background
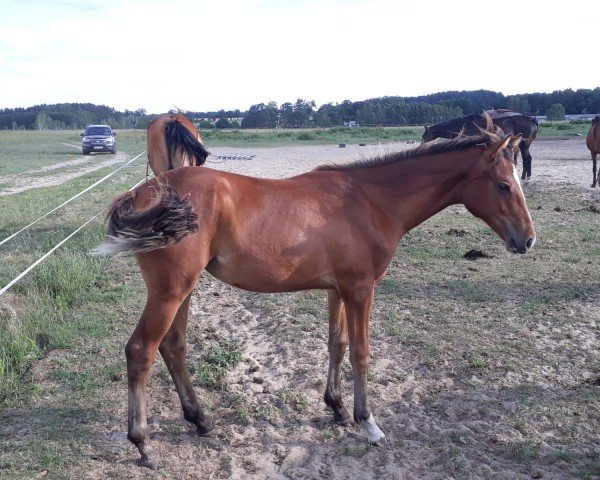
x: 510, y: 122
x: 593, y: 143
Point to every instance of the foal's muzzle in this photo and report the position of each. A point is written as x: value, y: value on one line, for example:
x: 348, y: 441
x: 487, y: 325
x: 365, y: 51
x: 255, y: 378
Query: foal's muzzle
x: 516, y: 245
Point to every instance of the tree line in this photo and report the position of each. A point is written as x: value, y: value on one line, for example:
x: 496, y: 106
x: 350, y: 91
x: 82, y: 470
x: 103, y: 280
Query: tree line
x: 64, y: 116
x: 419, y: 110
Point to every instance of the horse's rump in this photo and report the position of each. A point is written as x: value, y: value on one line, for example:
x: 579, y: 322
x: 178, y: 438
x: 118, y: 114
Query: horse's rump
x: 167, y: 220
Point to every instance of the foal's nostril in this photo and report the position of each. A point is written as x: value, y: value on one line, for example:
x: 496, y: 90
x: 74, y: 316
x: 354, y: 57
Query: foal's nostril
x: 529, y: 243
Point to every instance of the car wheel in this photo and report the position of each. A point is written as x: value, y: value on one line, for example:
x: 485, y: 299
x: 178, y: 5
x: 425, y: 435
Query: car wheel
x: 113, y: 151
x: 86, y: 152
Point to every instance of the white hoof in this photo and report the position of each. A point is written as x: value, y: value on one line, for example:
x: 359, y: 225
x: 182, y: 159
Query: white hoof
x: 374, y: 434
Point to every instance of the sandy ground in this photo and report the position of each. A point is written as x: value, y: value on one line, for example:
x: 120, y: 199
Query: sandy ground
x: 416, y: 411
x: 553, y: 160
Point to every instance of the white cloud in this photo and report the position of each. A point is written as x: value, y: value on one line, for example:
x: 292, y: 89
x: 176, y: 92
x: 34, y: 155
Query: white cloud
x: 210, y: 55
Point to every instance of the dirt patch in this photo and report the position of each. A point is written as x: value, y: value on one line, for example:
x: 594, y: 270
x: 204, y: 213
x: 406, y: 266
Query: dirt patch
x: 476, y: 255
x: 32, y: 179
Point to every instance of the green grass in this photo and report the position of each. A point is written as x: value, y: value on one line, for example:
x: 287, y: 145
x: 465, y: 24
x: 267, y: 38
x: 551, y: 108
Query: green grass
x: 217, y: 362
x: 320, y: 136
x: 563, y: 129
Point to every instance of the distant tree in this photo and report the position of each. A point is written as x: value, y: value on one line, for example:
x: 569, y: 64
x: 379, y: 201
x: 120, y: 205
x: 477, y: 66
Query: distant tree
x: 518, y: 103
x: 43, y: 121
x: 206, y: 124
x: 143, y: 122
x: 223, y: 123
x: 286, y: 114
x: 366, y: 115
x: 322, y: 117
x: 555, y: 112
x: 261, y: 116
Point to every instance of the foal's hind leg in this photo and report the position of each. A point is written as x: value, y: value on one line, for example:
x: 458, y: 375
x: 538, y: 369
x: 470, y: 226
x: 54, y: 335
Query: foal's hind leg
x: 595, y: 179
x: 141, y: 351
x: 338, y: 342
x: 173, y: 348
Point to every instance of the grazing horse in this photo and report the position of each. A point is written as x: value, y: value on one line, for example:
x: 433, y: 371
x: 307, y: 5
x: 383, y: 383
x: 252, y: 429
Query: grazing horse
x: 335, y: 228
x: 510, y: 122
x: 593, y: 143
x: 172, y: 142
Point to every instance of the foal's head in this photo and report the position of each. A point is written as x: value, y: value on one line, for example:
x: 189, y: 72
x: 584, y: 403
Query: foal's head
x: 493, y: 193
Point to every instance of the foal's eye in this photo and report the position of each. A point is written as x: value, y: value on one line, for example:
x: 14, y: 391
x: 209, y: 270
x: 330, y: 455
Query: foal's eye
x: 505, y: 187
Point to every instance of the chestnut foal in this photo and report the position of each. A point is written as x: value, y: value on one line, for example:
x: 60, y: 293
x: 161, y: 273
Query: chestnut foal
x: 335, y: 228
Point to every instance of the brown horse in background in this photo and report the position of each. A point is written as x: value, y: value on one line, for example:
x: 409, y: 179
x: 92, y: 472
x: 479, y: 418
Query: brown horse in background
x: 173, y: 141
x: 593, y: 143
x: 510, y: 122
x: 335, y: 228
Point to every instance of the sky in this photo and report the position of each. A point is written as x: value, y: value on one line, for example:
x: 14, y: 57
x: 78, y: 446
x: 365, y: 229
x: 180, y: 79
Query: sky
x: 231, y: 54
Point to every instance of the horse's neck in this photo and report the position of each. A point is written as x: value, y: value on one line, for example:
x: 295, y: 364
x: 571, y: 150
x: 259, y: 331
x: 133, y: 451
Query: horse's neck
x: 411, y: 191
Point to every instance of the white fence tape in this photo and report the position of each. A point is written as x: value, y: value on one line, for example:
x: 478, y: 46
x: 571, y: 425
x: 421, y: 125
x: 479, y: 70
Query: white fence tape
x: 72, y: 198
x: 47, y: 254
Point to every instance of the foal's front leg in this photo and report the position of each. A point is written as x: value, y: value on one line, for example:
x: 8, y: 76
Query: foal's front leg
x: 595, y: 179
x: 338, y: 342
x: 173, y: 348
x: 358, y: 303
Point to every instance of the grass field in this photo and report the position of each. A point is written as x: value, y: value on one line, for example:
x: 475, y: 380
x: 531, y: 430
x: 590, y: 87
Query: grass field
x: 487, y: 363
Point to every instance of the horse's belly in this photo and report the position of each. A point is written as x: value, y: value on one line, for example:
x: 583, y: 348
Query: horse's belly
x: 269, y: 275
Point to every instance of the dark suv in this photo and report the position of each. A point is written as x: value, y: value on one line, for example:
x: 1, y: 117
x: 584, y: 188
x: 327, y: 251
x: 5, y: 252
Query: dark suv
x: 98, y: 138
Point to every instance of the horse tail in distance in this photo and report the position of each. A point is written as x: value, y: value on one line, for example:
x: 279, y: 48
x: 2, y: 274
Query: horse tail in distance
x: 180, y: 140
x: 161, y: 225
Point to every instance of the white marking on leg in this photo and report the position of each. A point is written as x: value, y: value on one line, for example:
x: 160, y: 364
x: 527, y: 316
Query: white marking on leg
x: 373, y: 433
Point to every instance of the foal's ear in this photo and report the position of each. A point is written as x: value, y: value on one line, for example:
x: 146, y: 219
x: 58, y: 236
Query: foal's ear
x: 499, y: 147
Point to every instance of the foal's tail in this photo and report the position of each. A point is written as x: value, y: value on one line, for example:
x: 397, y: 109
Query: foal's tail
x: 181, y: 141
x: 161, y: 225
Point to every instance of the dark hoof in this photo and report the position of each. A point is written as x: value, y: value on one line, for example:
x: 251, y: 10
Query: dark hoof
x: 342, y: 418
x: 377, y: 443
x: 343, y: 422
x: 204, y: 428
x: 151, y: 463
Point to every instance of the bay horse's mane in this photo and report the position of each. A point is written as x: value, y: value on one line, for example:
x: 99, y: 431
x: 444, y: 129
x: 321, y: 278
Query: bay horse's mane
x: 491, y: 134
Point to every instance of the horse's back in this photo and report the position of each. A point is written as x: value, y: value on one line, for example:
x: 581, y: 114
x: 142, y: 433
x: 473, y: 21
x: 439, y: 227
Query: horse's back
x: 518, y: 124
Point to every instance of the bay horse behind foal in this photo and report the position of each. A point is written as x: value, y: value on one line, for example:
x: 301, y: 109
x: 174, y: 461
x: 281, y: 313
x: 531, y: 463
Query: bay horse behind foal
x: 593, y: 143
x: 173, y: 141
x: 335, y: 228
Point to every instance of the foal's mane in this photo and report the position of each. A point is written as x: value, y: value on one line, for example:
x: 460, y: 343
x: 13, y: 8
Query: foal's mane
x: 491, y: 134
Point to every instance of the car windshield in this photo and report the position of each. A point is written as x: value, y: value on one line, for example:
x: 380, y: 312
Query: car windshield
x: 97, y: 131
